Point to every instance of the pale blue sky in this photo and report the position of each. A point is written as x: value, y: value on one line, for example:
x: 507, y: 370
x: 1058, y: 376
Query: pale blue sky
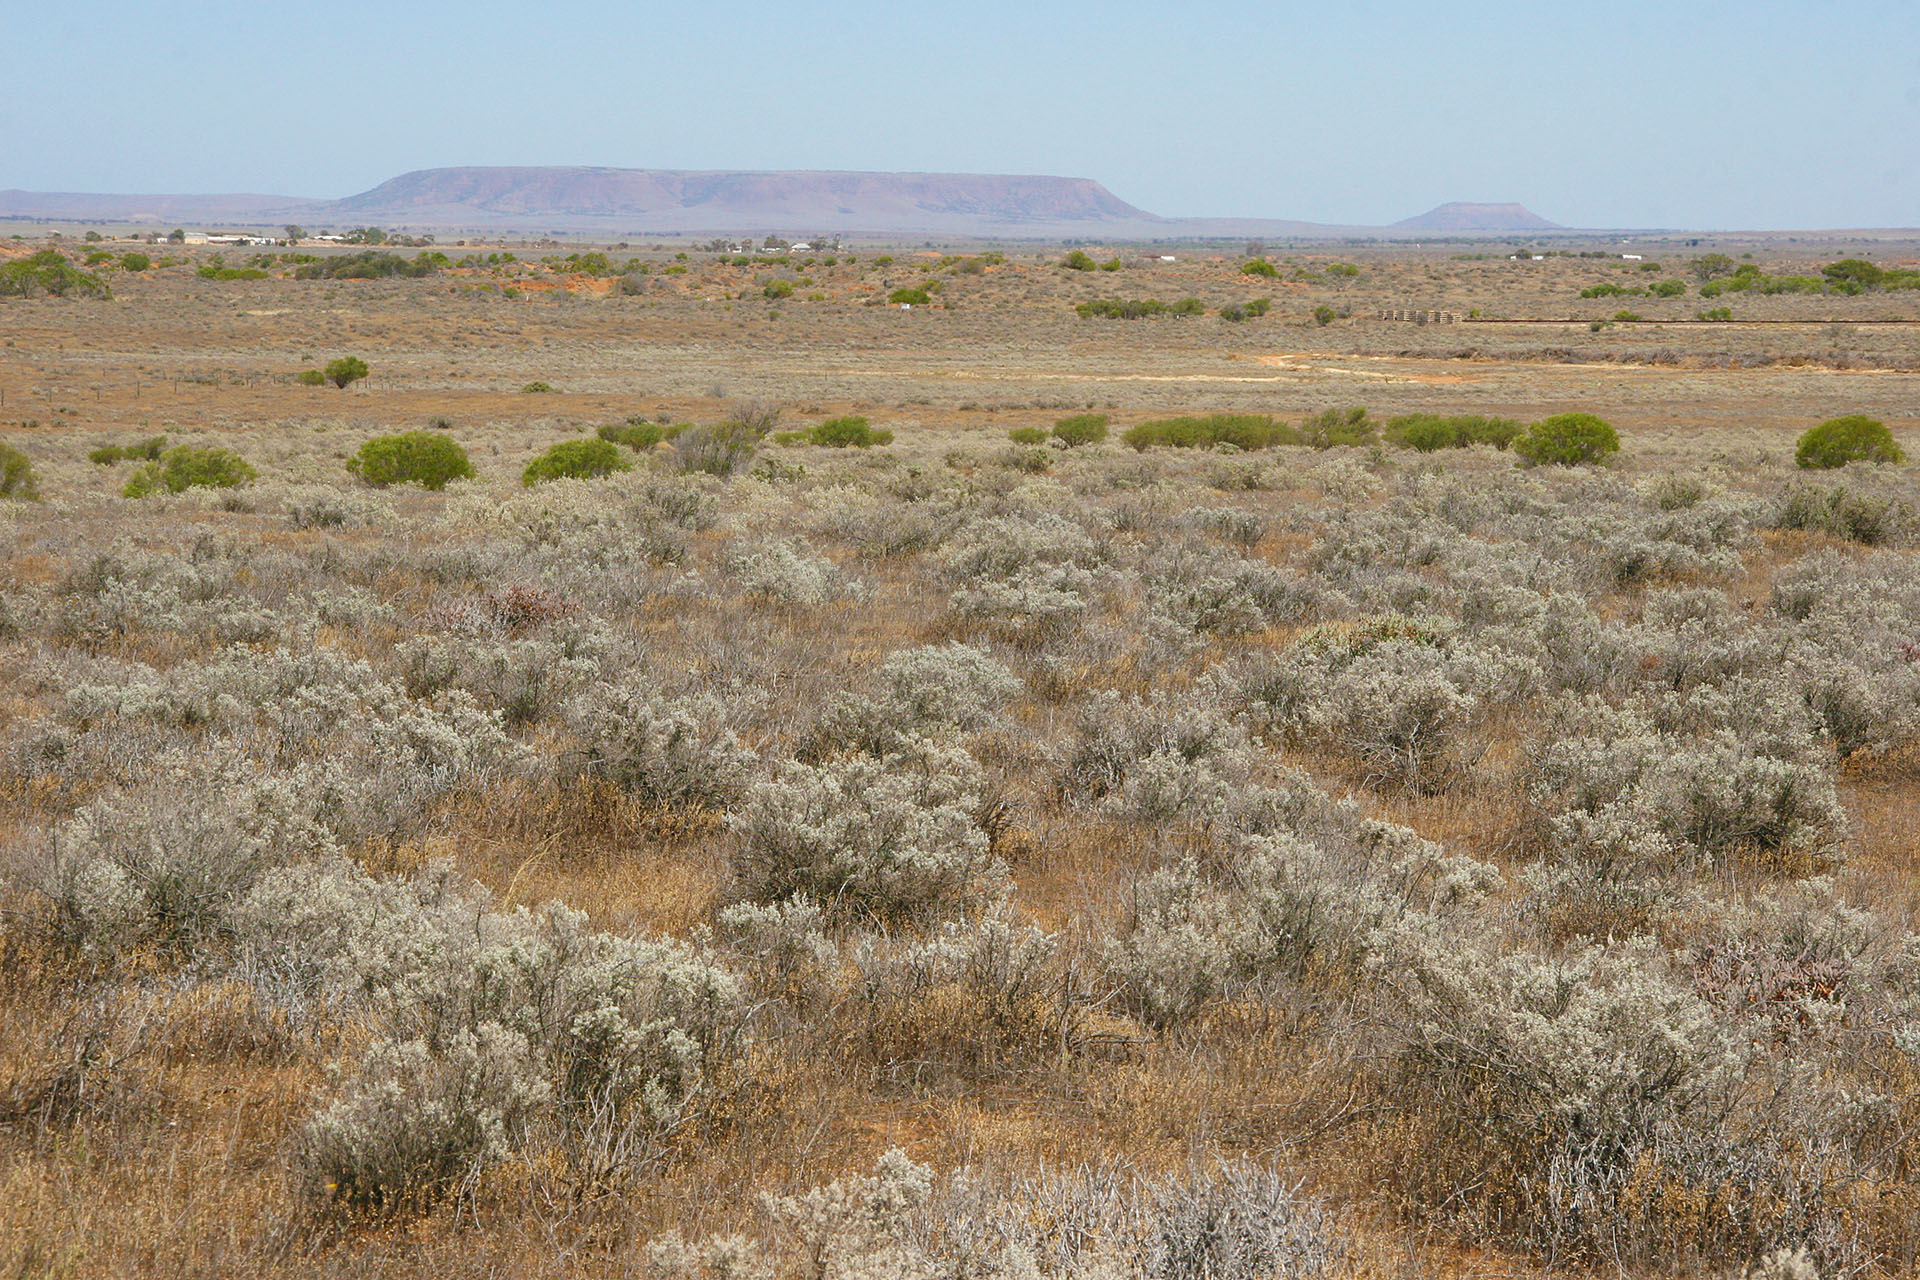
x: 1684, y: 113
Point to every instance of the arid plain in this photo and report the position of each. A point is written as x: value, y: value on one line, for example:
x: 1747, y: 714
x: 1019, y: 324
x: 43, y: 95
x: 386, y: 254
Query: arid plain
x: 1237, y: 862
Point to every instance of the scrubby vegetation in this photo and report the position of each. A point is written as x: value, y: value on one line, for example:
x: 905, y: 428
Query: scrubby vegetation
x: 371, y: 264
x: 1659, y: 289
x: 424, y: 458
x: 638, y: 434
x: 1853, y: 438
x: 576, y: 460
x: 1333, y: 427
x: 1153, y: 818
x: 186, y: 466
x: 345, y: 371
x: 1568, y: 440
x: 1849, y: 277
x: 1480, y: 840
x: 17, y: 478
x: 1427, y: 432
x: 49, y: 272
x: 1139, y: 308
x: 148, y: 450
x: 1325, y: 430
x: 216, y: 271
x: 838, y: 433
x: 1081, y: 428
x: 1243, y: 431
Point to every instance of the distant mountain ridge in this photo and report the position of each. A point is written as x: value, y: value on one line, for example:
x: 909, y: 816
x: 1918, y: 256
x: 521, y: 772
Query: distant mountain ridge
x: 538, y: 199
x: 720, y: 199
x: 1460, y: 215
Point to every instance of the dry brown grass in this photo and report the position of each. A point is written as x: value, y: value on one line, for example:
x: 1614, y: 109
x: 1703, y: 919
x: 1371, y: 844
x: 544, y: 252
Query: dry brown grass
x: 143, y: 1131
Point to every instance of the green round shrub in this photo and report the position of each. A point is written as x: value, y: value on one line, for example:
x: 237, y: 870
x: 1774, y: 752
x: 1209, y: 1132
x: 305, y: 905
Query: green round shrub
x: 345, y: 370
x: 576, y: 460
x: 17, y: 479
x: 1426, y: 432
x: 1568, y: 440
x: 847, y: 433
x: 1854, y: 438
x: 1854, y: 271
x: 1082, y: 428
x: 413, y: 457
x: 1259, y: 267
x: 1027, y: 435
x: 187, y: 466
x: 136, y: 262
x: 635, y: 434
x: 910, y: 297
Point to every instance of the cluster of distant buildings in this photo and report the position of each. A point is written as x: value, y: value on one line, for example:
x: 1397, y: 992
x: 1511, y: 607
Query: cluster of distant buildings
x: 242, y: 240
x: 774, y: 244
x: 225, y: 239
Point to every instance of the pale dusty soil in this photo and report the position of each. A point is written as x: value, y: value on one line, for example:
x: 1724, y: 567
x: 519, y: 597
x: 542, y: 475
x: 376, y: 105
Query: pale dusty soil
x: 174, y: 349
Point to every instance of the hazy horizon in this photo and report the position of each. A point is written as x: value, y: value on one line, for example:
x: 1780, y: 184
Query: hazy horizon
x: 1767, y: 115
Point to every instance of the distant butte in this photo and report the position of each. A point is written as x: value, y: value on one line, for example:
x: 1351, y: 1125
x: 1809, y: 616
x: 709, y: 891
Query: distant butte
x: 723, y: 199
x: 1460, y: 215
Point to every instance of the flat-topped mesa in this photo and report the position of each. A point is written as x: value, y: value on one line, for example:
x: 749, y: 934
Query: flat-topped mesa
x: 1464, y: 216
x: 692, y: 198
